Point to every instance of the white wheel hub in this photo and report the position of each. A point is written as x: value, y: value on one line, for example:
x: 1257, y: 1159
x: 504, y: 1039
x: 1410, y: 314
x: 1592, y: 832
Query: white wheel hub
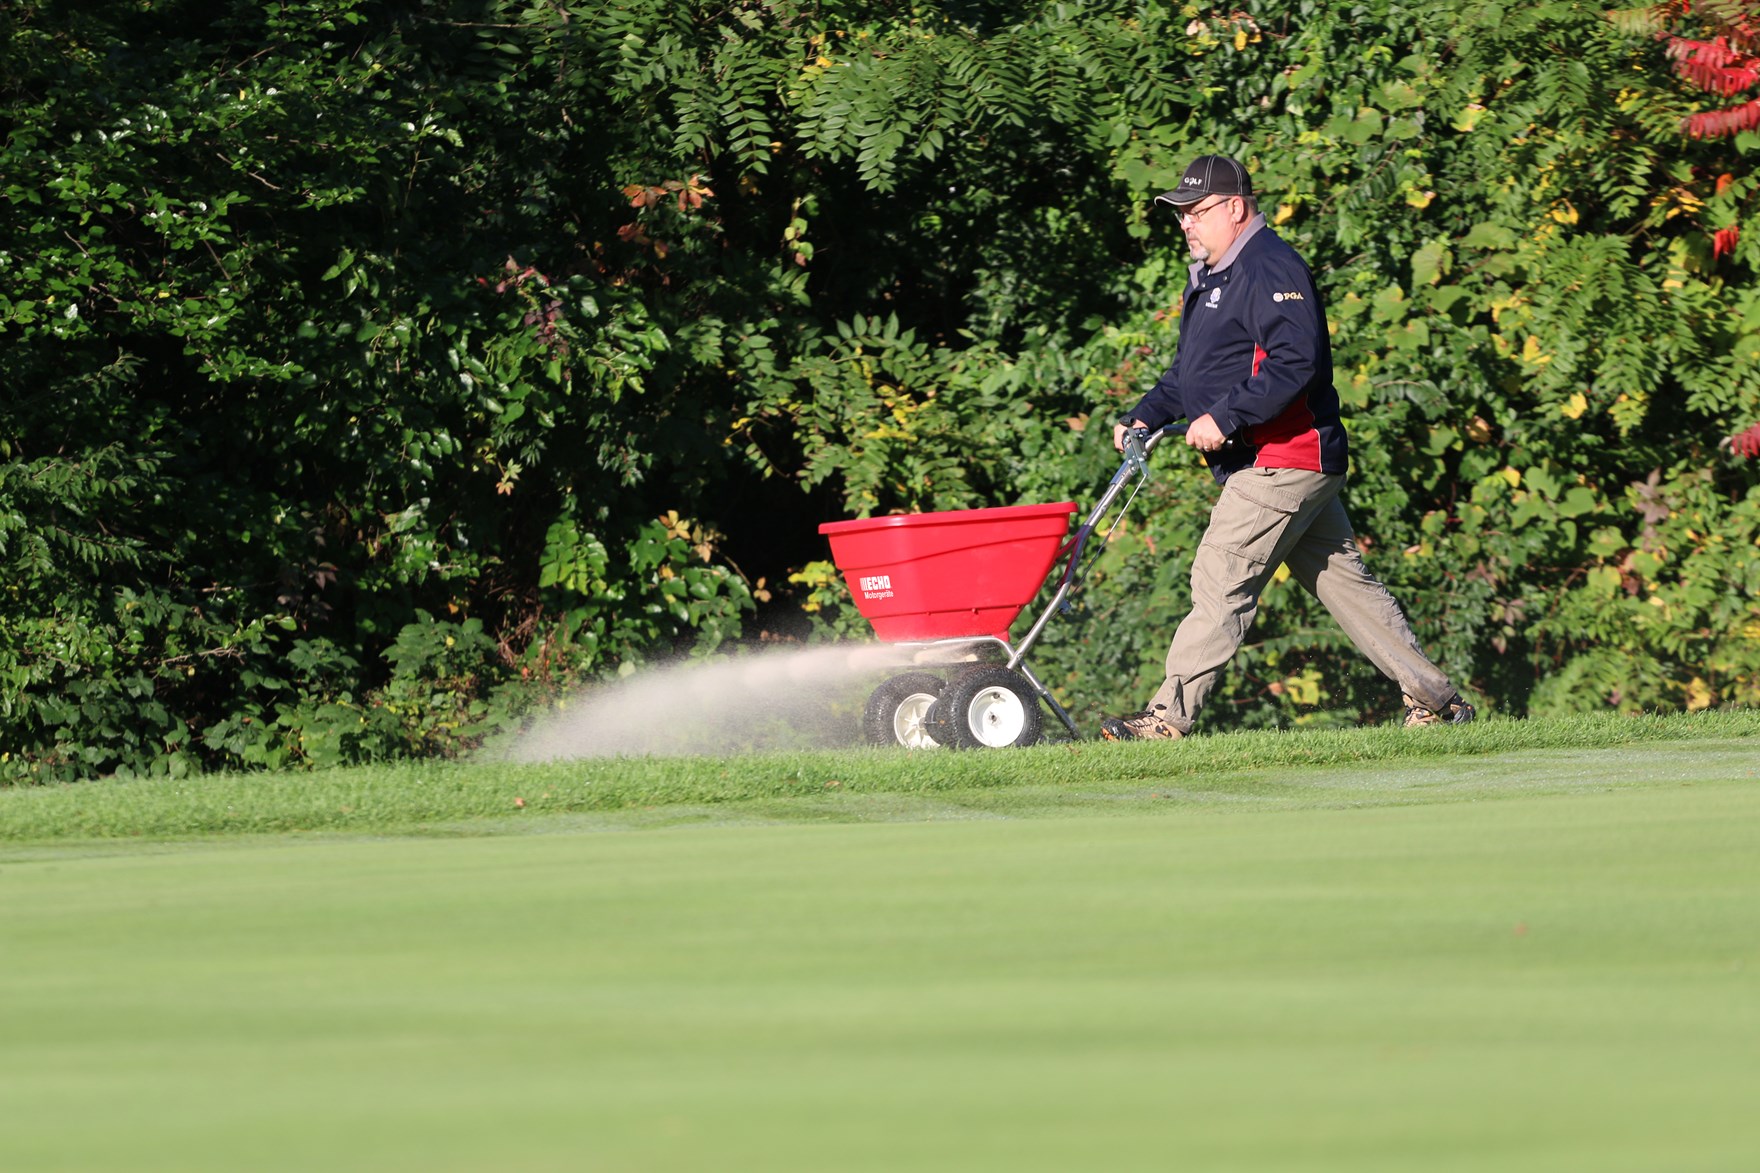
x: 996, y: 716
x: 907, y: 722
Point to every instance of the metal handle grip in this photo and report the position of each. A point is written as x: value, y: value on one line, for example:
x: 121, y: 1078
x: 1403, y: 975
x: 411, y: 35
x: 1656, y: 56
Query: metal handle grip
x: 1139, y: 442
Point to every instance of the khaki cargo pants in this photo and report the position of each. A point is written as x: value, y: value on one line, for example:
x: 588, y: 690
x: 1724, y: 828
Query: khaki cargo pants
x: 1268, y: 517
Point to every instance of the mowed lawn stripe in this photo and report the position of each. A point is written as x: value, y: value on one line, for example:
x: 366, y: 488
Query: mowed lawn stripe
x: 1490, y: 759
x: 1555, y: 981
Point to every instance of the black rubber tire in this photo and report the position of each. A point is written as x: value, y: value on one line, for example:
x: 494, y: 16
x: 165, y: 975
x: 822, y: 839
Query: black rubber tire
x: 896, y: 710
x: 987, y: 707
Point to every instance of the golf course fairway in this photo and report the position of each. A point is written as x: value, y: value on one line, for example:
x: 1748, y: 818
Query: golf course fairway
x: 1540, y: 981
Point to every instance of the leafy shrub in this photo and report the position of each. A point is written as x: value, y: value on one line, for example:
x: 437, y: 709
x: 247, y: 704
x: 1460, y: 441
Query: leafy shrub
x: 530, y: 332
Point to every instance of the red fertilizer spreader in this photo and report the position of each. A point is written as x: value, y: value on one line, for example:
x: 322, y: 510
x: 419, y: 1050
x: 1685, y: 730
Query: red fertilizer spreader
x: 946, y: 587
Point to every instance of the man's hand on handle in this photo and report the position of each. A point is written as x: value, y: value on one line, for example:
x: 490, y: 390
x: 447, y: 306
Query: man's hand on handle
x: 1120, y: 428
x: 1203, y: 434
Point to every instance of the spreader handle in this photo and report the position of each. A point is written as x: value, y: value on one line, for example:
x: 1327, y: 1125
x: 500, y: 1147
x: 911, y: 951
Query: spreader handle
x: 1139, y: 442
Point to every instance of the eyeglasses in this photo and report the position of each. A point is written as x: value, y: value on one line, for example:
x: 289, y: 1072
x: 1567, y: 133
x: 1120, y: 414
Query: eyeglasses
x: 1192, y: 216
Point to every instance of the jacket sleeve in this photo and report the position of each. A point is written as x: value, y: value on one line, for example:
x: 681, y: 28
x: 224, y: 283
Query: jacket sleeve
x: 1165, y: 402
x: 1283, y: 314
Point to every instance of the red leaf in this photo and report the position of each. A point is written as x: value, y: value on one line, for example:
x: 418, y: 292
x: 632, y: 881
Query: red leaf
x: 1747, y: 442
x: 1711, y: 54
x: 1727, y: 80
x: 1723, y: 123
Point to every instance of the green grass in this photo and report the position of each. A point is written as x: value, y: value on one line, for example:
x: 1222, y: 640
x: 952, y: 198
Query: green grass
x: 1266, y: 769
x: 1505, y: 947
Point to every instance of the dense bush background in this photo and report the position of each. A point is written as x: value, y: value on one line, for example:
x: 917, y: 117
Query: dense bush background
x: 374, y: 370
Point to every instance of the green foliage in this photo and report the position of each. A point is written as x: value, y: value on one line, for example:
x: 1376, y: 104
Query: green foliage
x: 328, y: 317
x: 1528, y: 318
x: 353, y: 405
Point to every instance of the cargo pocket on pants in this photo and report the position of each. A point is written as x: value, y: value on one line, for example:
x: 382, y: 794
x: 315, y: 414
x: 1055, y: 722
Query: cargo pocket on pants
x: 1251, y: 516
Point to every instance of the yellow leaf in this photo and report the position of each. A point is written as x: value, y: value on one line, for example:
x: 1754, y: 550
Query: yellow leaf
x: 1469, y: 117
x: 1699, y: 695
x: 1564, y: 213
x: 1420, y: 199
x: 1513, y: 476
x: 1575, y: 406
x: 1499, y: 304
x: 1240, y: 39
x: 1303, y: 689
x: 1284, y: 212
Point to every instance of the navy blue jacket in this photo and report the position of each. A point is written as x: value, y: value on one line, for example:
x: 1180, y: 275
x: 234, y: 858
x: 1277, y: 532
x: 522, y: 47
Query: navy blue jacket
x: 1255, y: 355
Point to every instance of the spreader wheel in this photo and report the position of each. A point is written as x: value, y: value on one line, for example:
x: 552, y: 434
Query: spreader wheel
x: 988, y: 707
x: 896, y: 711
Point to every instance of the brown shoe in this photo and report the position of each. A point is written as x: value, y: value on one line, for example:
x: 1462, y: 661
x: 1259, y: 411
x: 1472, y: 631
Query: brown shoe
x: 1144, y: 726
x: 1454, y: 712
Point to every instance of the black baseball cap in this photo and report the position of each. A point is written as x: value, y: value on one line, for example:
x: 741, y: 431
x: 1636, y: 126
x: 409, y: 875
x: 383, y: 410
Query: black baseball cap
x: 1207, y: 176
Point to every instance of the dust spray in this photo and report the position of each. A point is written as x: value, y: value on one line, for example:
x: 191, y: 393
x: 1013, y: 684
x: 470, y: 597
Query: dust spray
x: 795, y: 699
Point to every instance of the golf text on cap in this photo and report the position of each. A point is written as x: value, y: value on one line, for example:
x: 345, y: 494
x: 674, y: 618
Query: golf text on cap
x: 876, y: 586
x: 1209, y: 175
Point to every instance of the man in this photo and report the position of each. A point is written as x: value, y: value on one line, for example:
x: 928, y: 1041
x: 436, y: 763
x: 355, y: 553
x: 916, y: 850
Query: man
x: 1253, y: 374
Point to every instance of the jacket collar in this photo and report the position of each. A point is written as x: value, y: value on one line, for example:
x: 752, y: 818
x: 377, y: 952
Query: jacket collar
x: 1200, y: 270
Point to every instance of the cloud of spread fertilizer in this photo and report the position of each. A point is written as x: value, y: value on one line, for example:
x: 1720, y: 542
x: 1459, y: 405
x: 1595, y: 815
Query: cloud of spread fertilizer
x: 795, y: 699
